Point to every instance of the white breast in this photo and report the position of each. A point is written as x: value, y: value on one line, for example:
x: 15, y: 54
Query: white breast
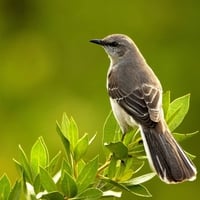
x: 124, y: 120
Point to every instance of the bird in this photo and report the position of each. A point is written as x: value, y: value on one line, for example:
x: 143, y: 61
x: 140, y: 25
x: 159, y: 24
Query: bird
x: 135, y: 95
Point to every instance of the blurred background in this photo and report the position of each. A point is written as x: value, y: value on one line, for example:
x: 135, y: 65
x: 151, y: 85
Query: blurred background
x: 47, y: 67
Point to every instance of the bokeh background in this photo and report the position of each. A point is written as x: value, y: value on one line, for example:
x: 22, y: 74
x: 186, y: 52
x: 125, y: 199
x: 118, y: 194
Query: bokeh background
x: 47, y: 67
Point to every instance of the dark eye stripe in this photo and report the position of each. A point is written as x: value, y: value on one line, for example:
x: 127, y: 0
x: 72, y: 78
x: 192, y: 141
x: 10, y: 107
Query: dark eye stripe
x: 113, y: 44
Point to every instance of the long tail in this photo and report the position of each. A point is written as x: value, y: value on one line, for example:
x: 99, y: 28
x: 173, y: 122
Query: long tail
x: 165, y: 155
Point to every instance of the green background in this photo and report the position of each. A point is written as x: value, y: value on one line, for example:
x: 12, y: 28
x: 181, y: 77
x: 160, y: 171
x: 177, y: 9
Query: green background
x: 47, y: 67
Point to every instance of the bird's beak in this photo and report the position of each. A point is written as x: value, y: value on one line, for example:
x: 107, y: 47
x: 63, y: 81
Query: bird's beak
x: 97, y: 41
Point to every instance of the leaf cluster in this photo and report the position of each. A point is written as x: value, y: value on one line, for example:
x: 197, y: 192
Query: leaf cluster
x: 69, y: 175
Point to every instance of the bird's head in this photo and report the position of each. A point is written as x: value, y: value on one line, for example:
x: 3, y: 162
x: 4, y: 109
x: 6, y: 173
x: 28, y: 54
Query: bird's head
x: 116, y: 45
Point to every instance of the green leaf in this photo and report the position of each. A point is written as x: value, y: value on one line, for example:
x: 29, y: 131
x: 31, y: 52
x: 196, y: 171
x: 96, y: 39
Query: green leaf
x: 119, y: 150
x: 73, y: 132
x: 37, y: 184
x: 70, y: 130
x: 130, y: 136
x: 140, y: 179
x: 126, y: 175
x: 139, y: 190
x: 81, y: 147
x: 81, y: 165
x: 166, y: 102
x: 53, y: 196
x: 90, y: 194
x: 39, y: 156
x: 18, y: 166
x: 26, y: 165
x: 110, y: 128
x: 66, y: 167
x: 65, y: 142
x: 136, y: 150
x: 68, y: 185
x: 15, y: 192
x: 180, y: 136
x: 4, y: 187
x: 177, y: 111
x: 65, y: 125
x: 52, y: 167
x: 112, y: 167
x: 47, y: 181
x: 87, y: 174
x: 114, y: 183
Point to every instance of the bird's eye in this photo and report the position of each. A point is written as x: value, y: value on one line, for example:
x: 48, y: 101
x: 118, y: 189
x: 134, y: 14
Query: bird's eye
x: 114, y: 44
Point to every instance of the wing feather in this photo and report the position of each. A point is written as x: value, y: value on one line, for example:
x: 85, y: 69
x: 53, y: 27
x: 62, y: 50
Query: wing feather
x: 143, y: 104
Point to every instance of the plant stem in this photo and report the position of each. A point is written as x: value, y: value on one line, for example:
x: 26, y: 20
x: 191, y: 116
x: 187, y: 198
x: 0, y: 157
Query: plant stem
x: 104, y: 166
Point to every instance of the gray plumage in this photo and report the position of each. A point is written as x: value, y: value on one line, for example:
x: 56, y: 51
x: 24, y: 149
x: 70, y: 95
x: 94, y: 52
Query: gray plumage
x: 136, y: 99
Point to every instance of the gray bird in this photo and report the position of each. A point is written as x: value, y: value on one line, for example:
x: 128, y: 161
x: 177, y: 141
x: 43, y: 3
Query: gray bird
x: 136, y: 99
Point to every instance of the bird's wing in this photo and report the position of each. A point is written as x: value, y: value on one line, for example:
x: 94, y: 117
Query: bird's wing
x: 143, y: 104
x: 153, y: 100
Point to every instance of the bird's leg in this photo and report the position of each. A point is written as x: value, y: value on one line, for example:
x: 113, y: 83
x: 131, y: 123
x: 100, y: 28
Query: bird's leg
x: 123, y: 136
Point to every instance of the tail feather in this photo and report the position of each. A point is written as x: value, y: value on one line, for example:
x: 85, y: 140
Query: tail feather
x: 165, y: 155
